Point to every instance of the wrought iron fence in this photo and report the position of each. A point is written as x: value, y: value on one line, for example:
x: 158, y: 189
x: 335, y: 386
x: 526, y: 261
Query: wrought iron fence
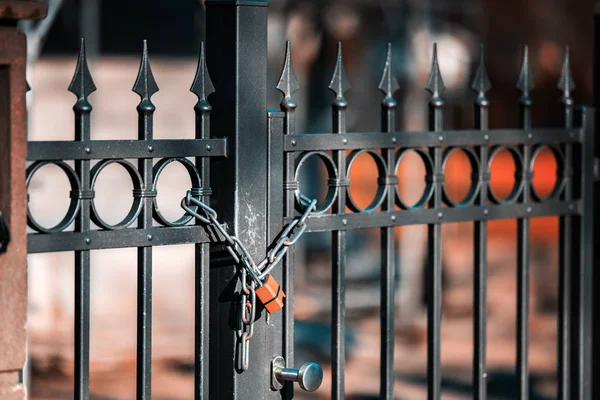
x: 144, y: 226
x: 338, y: 213
x: 277, y: 155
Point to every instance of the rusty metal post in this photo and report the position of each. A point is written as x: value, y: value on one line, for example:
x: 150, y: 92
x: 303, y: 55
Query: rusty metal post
x: 13, y: 193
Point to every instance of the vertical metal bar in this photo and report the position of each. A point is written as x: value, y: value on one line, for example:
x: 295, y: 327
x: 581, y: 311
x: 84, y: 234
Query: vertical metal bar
x: 595, y: 243
x: 523, y: 229
x: 339, y: 84
x: 145, y: 86
x: 236, y: 34
x: 284, y: 338
x: 288, y: 265
x: 435, y: 86
x: 525, y: 84
x: 82, y: 85
x: 82, y: 270
x: 565, y: 244
x: 388, y: 86
x: 202, y: 87
x: 201, y: 334
x: 583, y: 225
x: 288, y: 84
x: 481, y: 85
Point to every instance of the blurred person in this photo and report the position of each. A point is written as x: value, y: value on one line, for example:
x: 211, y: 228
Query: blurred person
x: 314, y: 29
x: 455, y: 65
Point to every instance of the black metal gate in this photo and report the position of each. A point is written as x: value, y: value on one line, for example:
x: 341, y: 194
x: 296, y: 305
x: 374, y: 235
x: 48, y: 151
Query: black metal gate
x: 255, y: 164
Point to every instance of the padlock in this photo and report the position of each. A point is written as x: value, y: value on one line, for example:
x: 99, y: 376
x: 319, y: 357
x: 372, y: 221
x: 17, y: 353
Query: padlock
x: 271, y: 294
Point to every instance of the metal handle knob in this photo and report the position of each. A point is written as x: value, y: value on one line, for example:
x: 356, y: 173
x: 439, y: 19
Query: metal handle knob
x: 309, y: 376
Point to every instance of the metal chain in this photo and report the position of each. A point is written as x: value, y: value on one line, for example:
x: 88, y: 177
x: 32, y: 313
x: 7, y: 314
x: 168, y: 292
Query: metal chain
x: 248, y: 268
x: 245, y: 327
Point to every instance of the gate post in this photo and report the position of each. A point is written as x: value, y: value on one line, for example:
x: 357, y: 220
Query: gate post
x: 13, y: 193
x: 236, y: 32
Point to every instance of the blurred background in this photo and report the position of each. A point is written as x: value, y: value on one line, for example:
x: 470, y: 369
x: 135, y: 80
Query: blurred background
x: 114, y: 31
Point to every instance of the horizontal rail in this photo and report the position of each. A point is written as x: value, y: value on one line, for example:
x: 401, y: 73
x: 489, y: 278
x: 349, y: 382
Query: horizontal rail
x: 423, y: 216
x: 463, y: 138
x: 117, y: 149
x: 97, y: 240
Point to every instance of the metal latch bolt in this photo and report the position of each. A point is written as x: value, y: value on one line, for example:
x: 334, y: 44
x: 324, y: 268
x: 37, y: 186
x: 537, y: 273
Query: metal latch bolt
x: 309, y: 376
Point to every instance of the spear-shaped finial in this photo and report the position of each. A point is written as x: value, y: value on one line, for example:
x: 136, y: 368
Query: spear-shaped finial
x: 82, y: 84
x: 388, y: 83
x: 288, y: 83
x: 481, y: 83
x: 202, y: 86
x: 435, y: 84
x: 525, y: 83
x: 339, y: 82
x: 145, y: 85
x: 566, y: 83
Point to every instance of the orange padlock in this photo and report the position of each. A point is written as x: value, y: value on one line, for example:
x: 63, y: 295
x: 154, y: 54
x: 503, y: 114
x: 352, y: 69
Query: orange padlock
x: 271, y: 294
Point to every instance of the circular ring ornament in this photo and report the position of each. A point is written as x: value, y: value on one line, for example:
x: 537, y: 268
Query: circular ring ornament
x: 475, y: 177
x: 73, y: 204
x: 196, y: 184
x: 428, y: 190
x: 381, y: 187
x: 517, y: 188
x: 332, y: 174
x: 560, y: 173
x: 136, y: 205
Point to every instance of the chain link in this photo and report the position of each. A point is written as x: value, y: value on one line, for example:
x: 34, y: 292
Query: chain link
x: 247, y: 267
x: 247, y: 314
